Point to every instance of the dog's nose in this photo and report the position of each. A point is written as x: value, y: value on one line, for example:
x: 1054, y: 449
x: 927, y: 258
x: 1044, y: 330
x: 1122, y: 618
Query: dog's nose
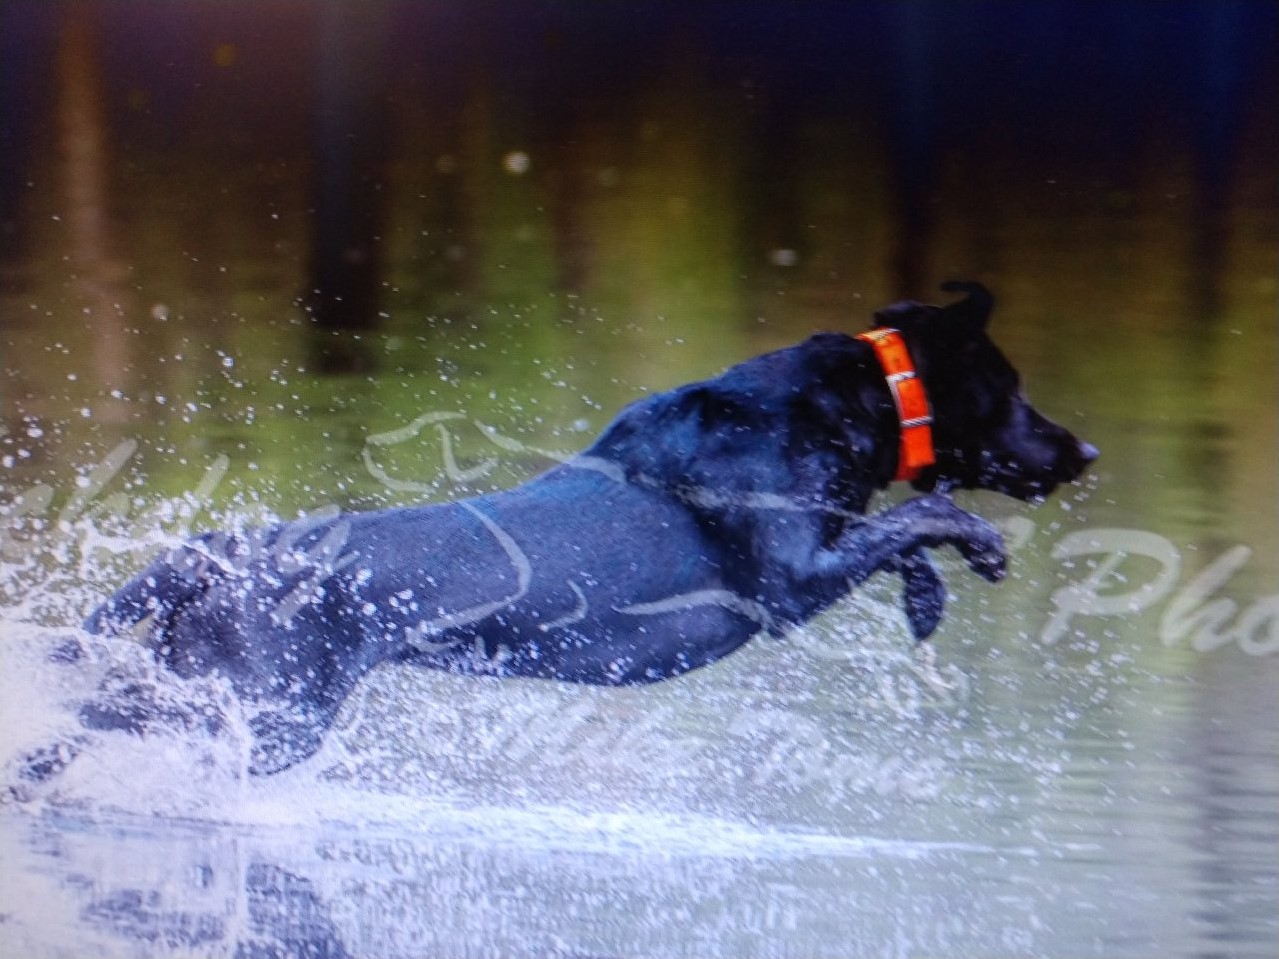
x: 1088, y: 452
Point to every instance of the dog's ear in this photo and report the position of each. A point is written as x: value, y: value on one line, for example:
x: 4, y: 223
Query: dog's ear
x: 973, y: 311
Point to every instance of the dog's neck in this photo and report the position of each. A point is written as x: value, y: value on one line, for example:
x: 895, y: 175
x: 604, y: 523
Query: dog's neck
x: 655, y: 442
x: 914, y: 415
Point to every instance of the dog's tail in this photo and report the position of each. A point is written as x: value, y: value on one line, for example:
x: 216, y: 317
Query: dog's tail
x: 171, y: 582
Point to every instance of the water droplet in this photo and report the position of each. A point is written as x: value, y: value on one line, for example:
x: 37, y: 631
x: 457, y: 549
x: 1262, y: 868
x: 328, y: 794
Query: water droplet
x: 516, y: 163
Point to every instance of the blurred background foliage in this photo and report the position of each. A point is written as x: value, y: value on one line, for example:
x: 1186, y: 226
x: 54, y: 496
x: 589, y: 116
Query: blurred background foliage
x: 268, y: 230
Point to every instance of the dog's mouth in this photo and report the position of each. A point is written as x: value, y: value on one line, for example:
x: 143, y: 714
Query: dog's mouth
x: 1037, y: 486
x: 1018, y: 487
x: 1033, y: 491
x: 1012, y: 479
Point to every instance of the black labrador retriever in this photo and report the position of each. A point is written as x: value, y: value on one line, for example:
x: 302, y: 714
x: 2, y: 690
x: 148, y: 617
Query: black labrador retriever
x: 698, y: 519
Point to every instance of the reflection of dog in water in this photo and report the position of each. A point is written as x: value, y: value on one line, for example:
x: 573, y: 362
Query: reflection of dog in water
x: 699, y: 518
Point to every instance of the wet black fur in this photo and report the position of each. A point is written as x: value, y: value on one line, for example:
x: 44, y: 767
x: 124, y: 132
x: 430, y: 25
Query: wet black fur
x: 699, y: 518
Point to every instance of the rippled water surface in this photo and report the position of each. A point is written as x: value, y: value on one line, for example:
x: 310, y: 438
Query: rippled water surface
x: 246, y: 246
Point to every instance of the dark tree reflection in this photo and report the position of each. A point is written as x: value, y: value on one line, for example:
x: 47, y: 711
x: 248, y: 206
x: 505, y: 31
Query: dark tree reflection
x: 348, y: 184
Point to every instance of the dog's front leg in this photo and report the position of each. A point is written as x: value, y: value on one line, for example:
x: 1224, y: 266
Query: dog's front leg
x: 895, y: 541
x: 923, y: 592
x: 924, y: 522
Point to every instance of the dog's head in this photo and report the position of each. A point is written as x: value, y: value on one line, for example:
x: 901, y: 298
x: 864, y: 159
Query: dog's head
x: 985, y: 432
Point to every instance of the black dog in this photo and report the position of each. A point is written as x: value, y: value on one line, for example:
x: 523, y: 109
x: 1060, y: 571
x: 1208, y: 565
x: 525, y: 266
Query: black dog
x: 699, y: 518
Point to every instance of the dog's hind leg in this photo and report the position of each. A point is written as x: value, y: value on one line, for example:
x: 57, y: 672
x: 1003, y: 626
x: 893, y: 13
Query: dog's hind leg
x: 170, y: 582
x: 287, y: 734
x: 288, y: 730
x: 284, y: 737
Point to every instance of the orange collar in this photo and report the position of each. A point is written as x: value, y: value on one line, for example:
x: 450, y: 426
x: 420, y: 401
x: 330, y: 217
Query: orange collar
x: 913, y: 411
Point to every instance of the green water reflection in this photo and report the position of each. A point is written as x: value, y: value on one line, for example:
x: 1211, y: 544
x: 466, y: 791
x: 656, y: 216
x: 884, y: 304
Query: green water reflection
x: 542, y: 264
x: 532, y: 220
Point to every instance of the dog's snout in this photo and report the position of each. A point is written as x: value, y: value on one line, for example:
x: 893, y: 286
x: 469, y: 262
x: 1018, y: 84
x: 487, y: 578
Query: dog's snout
x: 1088, y: 453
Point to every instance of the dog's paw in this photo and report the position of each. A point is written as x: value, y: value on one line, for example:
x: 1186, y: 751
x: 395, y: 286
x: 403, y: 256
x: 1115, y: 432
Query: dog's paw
x: 128, y: 705
x: 937, y: 521
x: 41, y: 765
x: 68, y: 652
x: 985, y: 558
x: 923, y: 595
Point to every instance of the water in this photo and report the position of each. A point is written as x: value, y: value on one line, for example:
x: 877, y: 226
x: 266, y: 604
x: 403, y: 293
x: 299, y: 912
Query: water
x: 539, y: 217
